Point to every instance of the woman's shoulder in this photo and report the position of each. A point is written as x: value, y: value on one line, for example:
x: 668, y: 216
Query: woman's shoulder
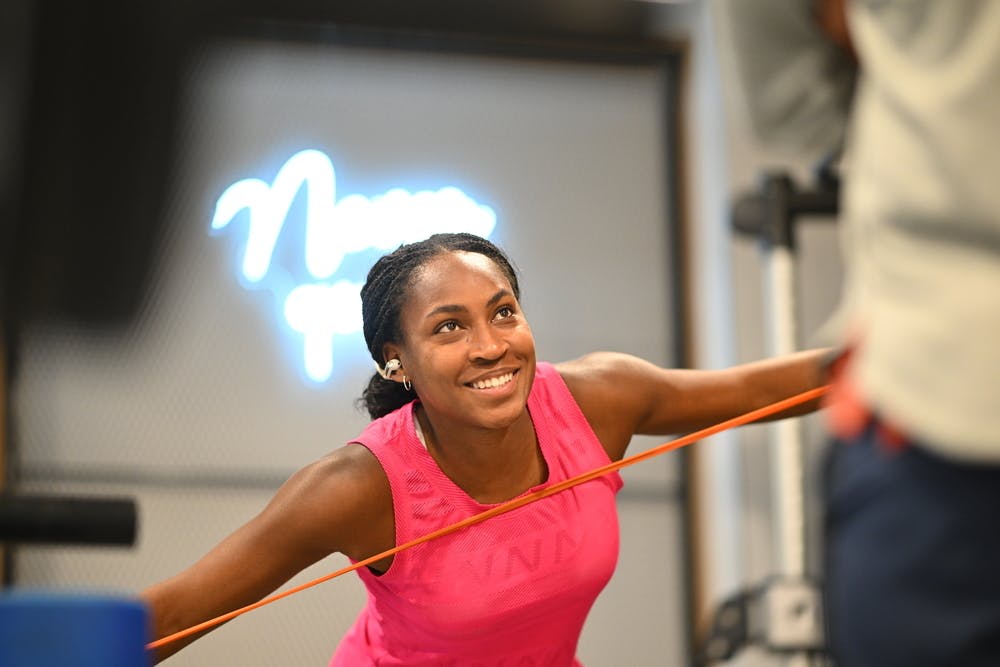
x: 344, y: 495
x: 597, y: 370
x: 349, y: 472
x: 603, y: 384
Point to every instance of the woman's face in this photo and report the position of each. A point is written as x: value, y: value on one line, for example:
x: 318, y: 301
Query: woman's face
x: 467, y: 347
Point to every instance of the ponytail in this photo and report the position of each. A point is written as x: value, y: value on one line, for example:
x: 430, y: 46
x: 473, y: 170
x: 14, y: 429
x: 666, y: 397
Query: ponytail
x: 383, y: 396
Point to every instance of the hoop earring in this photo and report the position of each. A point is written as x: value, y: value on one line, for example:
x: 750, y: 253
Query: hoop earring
x: 407, y: 385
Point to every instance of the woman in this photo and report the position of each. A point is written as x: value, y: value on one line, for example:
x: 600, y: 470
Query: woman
x: 464, y: 418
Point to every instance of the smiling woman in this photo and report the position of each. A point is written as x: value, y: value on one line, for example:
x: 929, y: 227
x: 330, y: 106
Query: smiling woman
x: 465, y: 418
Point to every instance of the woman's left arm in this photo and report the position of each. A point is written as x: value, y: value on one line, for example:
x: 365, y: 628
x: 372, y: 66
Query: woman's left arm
x: 622, y: 395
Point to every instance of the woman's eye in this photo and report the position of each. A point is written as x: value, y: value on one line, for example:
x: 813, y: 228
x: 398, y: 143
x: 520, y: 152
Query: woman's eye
x: 447, y: 327
x: 504, y: 312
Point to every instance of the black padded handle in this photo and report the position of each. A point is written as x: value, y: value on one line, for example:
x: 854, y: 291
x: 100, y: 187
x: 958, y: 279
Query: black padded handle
x: 67, y: 520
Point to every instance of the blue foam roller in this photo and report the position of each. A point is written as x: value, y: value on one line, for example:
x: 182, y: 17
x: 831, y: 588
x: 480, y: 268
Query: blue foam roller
x: 42, y: 629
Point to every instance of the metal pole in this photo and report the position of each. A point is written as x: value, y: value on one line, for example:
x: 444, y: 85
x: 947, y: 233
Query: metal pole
x: 786, y: 453
x: 786, y: 441
x: 784, y: 614
x: 791, y: 607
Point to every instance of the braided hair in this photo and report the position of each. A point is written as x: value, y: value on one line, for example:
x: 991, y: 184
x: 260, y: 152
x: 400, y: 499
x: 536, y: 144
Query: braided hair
x: 387, y: 289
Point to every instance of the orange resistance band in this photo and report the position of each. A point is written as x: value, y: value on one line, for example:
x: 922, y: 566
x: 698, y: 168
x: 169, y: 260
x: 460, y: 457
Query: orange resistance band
x: 510, y: 505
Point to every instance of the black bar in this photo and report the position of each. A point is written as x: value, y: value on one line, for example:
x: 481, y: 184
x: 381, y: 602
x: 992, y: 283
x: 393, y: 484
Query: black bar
x: 67, y: 520
x: 770, y: 212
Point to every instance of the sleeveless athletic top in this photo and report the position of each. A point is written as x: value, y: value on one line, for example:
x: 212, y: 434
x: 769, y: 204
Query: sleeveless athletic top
x: 512, y: 590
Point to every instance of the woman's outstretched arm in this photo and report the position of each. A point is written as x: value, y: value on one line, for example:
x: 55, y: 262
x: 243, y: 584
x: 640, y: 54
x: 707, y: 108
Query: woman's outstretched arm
x: 338, y: 504
x: 622, y: 395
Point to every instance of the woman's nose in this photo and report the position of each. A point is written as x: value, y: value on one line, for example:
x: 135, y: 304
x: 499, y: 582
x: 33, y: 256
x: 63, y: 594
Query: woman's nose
x: 487, y: 343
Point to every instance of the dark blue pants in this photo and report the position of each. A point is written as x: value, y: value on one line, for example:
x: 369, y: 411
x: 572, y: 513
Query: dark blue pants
x: 912, y: 558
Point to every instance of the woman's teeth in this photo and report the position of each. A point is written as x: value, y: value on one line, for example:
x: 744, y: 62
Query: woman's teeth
x: 494, y: 382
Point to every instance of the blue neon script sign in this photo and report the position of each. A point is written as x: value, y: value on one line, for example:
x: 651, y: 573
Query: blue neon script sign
x: 324, y: 306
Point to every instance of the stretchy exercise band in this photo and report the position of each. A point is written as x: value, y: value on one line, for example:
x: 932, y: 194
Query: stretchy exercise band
x: 520, y: 501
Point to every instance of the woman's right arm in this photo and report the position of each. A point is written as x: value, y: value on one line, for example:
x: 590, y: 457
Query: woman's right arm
x: 341, y: 503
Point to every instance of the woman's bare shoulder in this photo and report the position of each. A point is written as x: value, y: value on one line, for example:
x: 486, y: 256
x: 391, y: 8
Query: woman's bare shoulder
x: 349, y: 477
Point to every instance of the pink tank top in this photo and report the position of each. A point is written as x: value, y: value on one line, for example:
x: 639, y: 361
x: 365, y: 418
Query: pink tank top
x: 513, y: 590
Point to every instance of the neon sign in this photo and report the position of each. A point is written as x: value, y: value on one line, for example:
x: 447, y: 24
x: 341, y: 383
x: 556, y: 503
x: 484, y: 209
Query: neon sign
x: 322, y: 306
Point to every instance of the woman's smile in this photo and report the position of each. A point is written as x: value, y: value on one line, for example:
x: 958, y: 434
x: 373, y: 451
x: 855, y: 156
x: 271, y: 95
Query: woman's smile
x: 494, y: 382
